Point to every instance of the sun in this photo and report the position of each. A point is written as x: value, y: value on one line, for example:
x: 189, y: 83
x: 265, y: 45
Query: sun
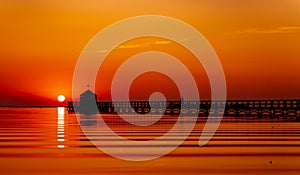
x: 61, y: 98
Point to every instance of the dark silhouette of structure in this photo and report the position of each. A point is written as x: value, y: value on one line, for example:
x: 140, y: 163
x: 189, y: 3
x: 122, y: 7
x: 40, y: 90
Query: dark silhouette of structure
x: 273, y: 109
x: 88, y: 103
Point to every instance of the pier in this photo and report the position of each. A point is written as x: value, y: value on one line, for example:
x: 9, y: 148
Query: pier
x: 283, y: 109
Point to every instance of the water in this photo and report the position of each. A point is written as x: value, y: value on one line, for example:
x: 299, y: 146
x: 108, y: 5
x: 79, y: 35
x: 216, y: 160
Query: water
x: 50, y: 141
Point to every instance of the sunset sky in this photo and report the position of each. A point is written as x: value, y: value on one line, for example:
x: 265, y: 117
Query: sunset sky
x: 257, y: 43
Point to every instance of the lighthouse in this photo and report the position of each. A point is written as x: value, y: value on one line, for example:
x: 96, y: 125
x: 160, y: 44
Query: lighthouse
x: 88, y: 103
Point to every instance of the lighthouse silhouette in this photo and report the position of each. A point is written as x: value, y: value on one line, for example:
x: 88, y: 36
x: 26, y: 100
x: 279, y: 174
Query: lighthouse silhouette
x: 88, y: 103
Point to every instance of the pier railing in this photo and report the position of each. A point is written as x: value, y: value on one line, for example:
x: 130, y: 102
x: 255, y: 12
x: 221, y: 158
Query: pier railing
x: 259, y: 108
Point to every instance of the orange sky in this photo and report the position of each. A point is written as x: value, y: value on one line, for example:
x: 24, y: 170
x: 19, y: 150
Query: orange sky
x: 256, y: 41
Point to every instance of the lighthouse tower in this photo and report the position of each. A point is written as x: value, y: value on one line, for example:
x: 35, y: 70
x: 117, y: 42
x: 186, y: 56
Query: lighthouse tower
x: 88, y: 103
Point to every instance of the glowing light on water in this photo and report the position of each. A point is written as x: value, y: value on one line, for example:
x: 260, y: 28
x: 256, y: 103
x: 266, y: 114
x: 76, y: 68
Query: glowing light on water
x: 60, y: 127
x: 60, y: 146
x: 60, y: 111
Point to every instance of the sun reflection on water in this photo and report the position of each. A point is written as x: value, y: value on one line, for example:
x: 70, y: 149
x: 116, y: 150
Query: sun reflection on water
x: 60, y: 127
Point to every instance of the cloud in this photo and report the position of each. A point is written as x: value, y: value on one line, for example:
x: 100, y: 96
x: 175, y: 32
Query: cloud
x: 146, y: 44
x: 102, y: 51
x: 283, y: 29
x: 162, y: 42
x: 132, y: 46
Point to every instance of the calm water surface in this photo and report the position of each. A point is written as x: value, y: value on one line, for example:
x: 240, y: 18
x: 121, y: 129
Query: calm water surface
x: 50, y: 141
